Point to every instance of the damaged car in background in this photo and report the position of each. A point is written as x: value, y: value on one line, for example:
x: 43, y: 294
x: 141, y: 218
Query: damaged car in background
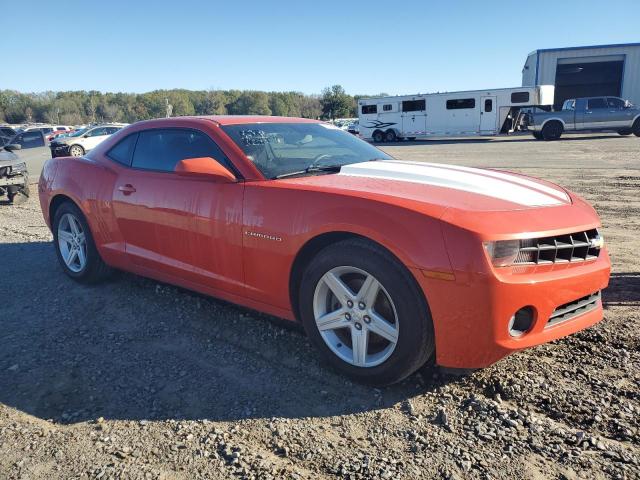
x: 14, y: 178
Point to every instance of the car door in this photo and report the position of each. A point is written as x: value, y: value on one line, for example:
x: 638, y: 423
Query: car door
x: 94, y: 137
x: 34, y: 151
x: 186, y: 227
x: 597, y: 114
x: 619, y: 116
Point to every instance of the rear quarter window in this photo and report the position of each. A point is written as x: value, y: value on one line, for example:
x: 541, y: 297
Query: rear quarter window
x: 122, y: 151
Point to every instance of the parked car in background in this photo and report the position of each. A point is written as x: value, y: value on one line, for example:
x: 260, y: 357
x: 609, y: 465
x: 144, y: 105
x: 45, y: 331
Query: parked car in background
x: 387, y: 264
x: 78, y: 143
x: 14, y: 177
x: 29, y: 139
x: 586, y: 114
x: 354, y: 128
x: 7, y: 132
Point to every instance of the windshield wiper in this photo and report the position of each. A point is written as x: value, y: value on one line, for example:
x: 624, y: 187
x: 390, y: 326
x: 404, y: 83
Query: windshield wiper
x: 324, y: 168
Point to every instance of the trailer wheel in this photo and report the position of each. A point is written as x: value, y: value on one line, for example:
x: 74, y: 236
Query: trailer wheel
x: 378, y: 136
x: 537, y: 135
x: 390, y: 136
x: 552, y: 131
x: 636, y: 128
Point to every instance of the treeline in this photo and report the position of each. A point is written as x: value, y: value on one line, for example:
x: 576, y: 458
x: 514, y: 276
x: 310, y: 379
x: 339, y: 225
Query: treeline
x: 76, y: 107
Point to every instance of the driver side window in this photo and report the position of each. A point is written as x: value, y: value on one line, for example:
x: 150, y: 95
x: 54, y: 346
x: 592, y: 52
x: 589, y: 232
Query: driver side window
x: 162, y: 149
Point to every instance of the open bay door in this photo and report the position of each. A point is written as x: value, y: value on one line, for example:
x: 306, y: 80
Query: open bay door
x: 488, y: 116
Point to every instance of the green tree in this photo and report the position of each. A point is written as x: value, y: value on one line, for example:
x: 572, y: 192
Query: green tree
x: 336, y: 103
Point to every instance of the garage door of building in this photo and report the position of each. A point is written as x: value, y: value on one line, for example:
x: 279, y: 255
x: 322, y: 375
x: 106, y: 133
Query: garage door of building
x: 588, y: 77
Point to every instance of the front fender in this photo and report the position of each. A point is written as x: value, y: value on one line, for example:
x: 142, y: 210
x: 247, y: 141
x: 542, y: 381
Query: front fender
x: 278, y: 223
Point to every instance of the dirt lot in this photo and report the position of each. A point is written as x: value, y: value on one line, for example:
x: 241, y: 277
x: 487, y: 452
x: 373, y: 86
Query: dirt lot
x: 133, y: 379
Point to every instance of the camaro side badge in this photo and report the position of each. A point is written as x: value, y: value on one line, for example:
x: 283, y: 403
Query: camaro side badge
x: 263, y: 236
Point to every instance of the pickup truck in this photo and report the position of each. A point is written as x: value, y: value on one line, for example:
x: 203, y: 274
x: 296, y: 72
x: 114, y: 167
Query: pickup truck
x: 582, y: 114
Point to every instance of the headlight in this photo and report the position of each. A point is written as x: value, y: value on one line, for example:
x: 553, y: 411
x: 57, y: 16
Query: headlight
x: 19, y: 167
x: 503, y: 252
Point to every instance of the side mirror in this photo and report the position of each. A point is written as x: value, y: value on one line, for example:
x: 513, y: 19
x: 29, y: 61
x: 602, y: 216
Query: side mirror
x: 205, y: 167
x: 12, y: 146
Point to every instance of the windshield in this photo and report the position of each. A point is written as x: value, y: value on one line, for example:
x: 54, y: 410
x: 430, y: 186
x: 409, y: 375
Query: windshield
x: 279, y: 149
x: 79, y: 133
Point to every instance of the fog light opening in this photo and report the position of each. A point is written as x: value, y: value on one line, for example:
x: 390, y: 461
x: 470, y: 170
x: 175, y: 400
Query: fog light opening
x: 521, y: 322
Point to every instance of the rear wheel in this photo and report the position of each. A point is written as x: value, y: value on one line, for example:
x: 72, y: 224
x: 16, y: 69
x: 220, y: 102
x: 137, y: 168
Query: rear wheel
x: 552, y: 131
x: 378, y: 136
x: 76, y: 151
x: 365, y: 313
x: 537, y: 135
x: 390, y: 136
x: 625, y: 131
x: 75, y: 247
x: 636, y: 128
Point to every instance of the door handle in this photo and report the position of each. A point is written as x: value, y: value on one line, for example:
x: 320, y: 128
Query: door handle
x: 127, y: 189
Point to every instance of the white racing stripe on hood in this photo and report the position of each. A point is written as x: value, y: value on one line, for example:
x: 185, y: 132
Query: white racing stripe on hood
x: 511, y: 188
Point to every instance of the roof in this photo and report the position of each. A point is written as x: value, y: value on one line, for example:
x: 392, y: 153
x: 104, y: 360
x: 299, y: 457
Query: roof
x: 237, y: 119
x: 587, y: 47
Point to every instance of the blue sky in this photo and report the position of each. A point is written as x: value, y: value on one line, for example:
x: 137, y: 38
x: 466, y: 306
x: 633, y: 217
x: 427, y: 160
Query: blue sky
x: 368, y: 47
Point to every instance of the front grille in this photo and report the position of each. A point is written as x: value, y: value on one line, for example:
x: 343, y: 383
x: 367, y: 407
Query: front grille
x: 573, y: 309
x: 573, y: 247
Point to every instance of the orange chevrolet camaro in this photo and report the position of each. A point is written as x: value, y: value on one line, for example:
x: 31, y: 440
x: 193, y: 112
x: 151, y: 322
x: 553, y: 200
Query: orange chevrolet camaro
x: 388, y: 264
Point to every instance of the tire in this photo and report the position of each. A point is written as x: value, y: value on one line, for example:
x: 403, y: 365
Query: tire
x: 18, y: 195
x: 399, y: 300
x: 625, y: 131
x: 552, y: 131
x: 537, y: 135
x: 636, y: 128
x: 93, y: 269
x: 76, y: 150
x: 390, y: 136
x: 378, y: 136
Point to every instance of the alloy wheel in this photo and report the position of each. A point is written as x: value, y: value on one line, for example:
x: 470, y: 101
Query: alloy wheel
x: 355, y: 316
x: 72, y: 243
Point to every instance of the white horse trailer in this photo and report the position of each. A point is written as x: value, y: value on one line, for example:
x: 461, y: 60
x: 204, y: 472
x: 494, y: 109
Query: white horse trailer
x: 470, y: 113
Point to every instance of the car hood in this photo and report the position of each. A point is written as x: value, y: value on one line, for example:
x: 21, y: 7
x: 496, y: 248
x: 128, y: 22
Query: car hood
x: 8, y: 158
x: 416, y: 184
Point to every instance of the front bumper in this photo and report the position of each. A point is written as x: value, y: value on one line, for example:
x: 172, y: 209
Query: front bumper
x: 59, y: 150
x: 13, y: 180
x: 471, y: 313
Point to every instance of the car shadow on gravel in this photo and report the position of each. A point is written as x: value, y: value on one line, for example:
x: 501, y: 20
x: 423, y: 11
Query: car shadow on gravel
x: 623, y: 290
x: 134, y: 349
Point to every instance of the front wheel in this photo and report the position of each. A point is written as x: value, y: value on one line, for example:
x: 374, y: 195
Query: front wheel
x: 75, y: 247
x: 636, y: 128
x: 625, y: 131
x: 365, y: 313
x: 76, y: 151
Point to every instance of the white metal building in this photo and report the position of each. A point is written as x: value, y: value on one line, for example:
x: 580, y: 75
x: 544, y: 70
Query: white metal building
x: 586, y: 71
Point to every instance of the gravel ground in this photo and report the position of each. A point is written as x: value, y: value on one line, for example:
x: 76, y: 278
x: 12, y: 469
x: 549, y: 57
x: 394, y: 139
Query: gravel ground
x: 133, y: 379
